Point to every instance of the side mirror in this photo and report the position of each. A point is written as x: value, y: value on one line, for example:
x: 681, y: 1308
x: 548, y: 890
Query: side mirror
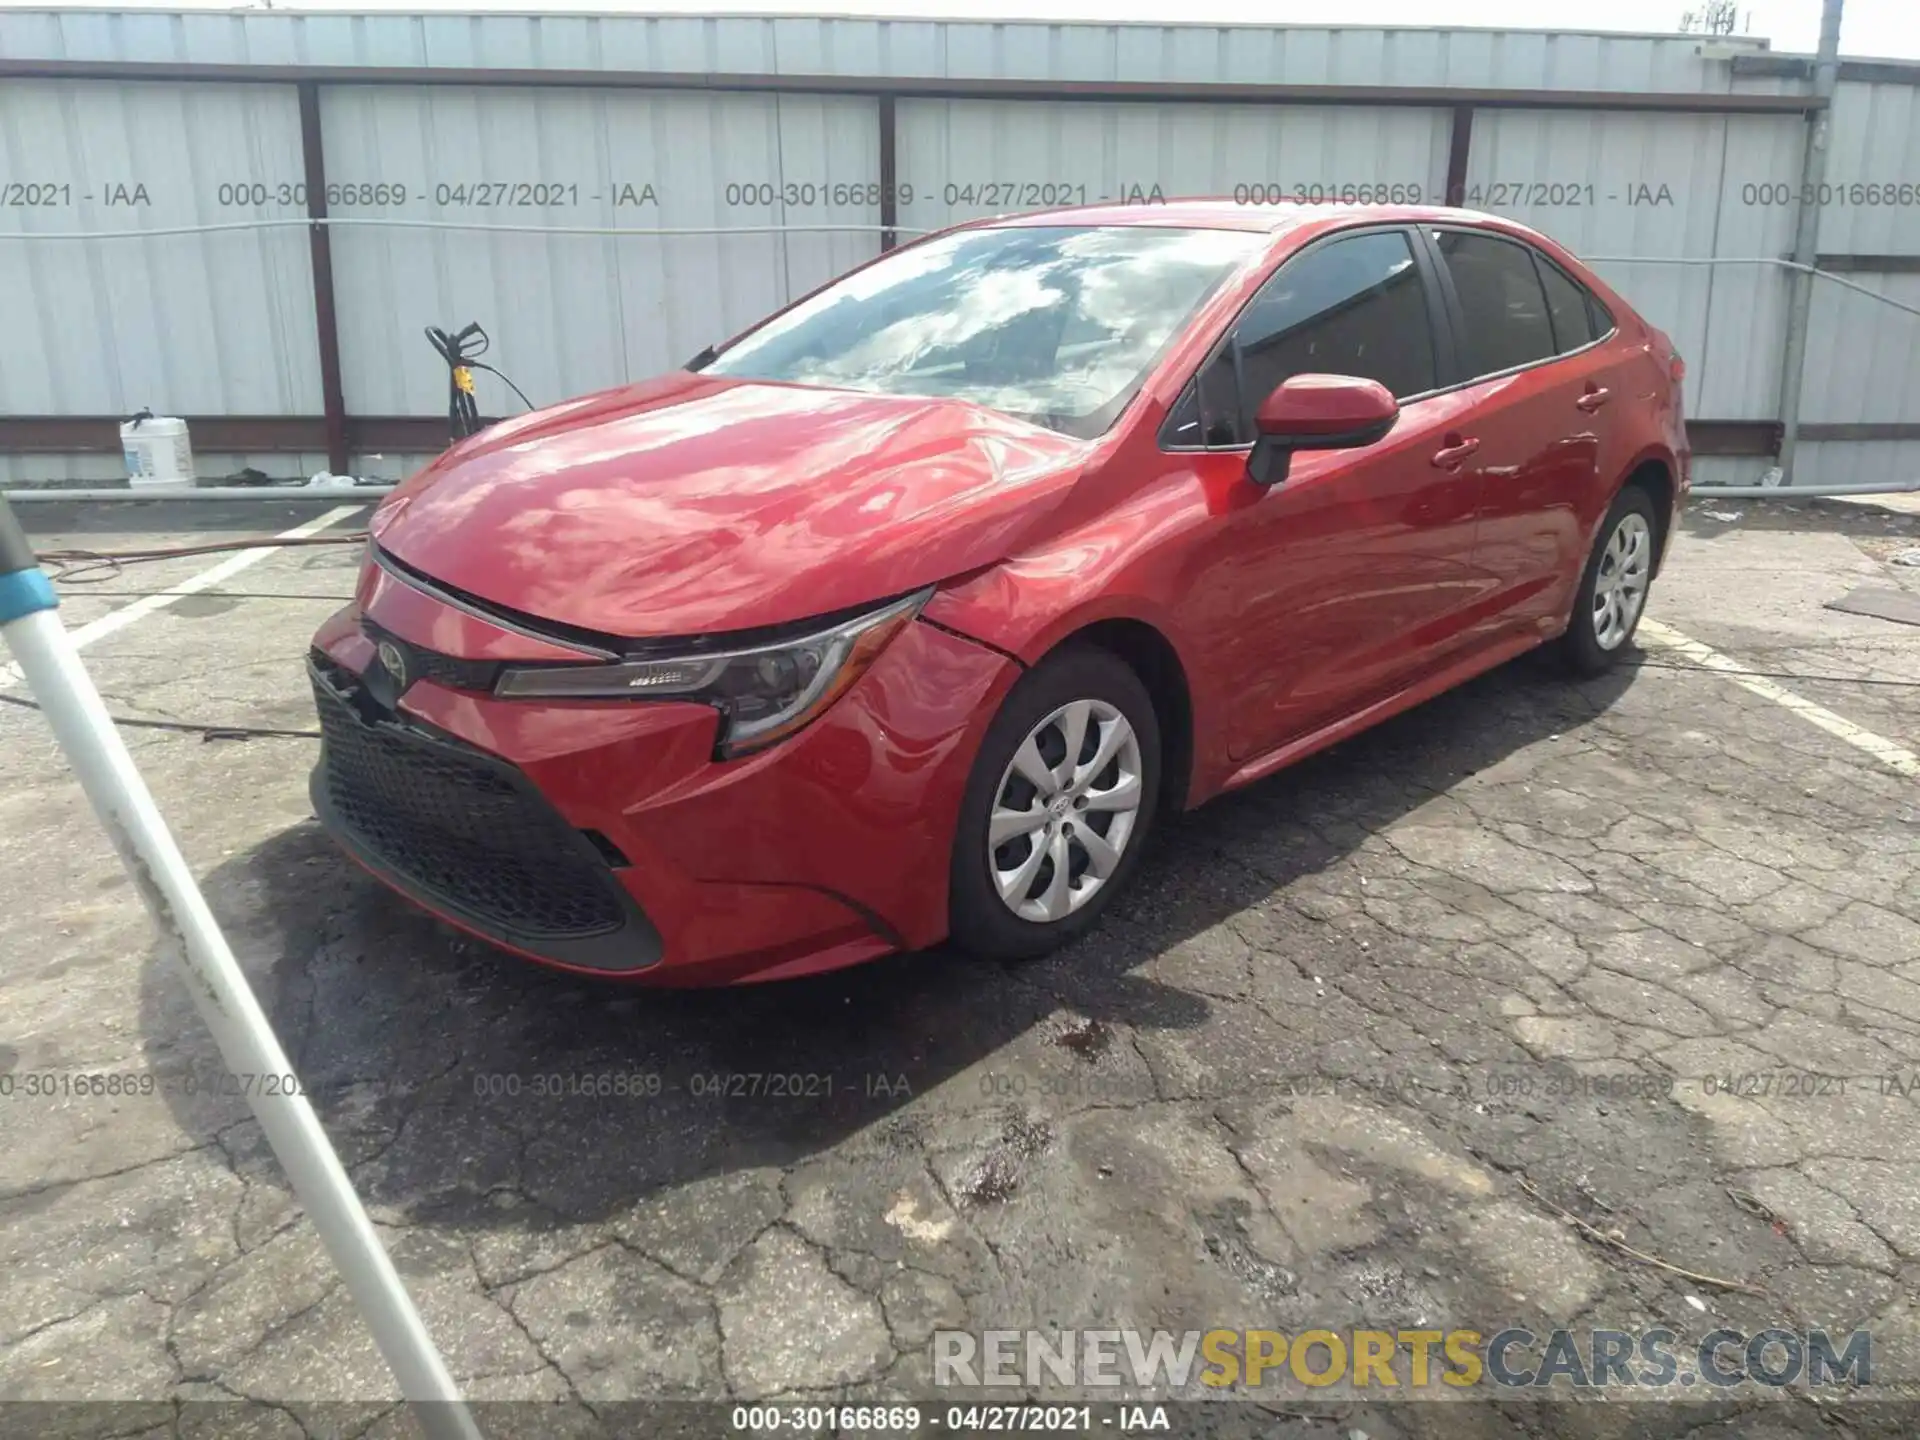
x: 1317, y: 412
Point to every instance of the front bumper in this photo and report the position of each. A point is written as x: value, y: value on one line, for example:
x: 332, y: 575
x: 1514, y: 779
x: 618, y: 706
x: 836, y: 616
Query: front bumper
x: 464, y: 834
x: 602, y: 836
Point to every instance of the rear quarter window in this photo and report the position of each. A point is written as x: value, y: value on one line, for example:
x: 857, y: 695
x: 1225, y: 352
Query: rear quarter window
x: 1601, y: 317
x: 1569, y: 306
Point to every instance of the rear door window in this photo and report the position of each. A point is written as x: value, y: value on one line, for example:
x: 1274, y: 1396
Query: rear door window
x: 1351, y: 306
x: 1502, y: 303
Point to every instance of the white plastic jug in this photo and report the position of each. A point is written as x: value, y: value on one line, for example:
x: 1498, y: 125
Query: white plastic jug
x: 158, y: 451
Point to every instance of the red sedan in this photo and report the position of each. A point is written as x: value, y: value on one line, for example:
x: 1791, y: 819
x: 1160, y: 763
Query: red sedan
x: 900, y: 617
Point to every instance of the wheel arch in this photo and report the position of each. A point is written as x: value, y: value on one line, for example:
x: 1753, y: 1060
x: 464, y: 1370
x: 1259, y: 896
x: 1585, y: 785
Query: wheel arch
x: 1151, y: 655
x: 1652, y: 471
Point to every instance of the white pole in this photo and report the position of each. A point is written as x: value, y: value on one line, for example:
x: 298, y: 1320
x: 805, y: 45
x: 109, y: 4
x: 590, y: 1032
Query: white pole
x: 189, y: 933
x: 1806, y: 231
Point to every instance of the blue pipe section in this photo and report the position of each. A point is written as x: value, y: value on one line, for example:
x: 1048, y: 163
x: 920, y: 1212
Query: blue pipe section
x: 24, y: 593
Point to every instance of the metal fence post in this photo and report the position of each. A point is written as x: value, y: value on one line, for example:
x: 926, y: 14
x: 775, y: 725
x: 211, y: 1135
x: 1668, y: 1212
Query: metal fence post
x: 1813, y: 175
x: 190, y: 935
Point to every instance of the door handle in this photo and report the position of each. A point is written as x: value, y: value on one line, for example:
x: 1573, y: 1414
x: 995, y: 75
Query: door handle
x: 1593, y: 399
x: 1449, y: 457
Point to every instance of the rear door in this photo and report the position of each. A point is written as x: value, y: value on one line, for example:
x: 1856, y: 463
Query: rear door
x: 1349, y: 578
x: 1528, y: 349
x: 1614, y: 381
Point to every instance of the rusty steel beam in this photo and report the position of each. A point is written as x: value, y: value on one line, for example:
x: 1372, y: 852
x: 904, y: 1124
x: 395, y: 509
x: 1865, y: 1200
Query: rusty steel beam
x: 326, y: 322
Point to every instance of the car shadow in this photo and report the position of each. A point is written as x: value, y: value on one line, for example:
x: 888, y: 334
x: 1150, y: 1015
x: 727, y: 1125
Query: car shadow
x: 458, y: 1081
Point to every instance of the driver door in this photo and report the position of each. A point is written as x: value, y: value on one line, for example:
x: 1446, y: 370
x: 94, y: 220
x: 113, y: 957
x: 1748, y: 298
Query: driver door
x: 1354, y: 577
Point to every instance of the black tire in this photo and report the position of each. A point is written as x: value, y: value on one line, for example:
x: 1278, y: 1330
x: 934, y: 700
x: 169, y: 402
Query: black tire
x: 1580, y: 647
x: 979, y: 921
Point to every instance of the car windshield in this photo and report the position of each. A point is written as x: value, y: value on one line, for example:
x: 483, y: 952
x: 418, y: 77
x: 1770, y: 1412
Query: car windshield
x: 1058, y: 325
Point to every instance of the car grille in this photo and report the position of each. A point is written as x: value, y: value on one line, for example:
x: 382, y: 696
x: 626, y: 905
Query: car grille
x: 465, y: 830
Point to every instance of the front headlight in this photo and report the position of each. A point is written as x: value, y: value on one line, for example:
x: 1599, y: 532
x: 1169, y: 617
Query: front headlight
x: 763, y: 694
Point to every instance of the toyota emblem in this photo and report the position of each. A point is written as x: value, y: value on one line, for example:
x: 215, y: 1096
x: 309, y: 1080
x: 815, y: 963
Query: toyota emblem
x: 394, y: 662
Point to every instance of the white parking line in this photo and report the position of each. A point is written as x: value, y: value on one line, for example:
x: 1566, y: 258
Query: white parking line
x: 1895, y: 757
x: 116, y: 620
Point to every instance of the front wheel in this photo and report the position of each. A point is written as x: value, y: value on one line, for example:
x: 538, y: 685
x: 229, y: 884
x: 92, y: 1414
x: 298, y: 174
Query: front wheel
x: 1057, y: 808
x: 1613, y: 589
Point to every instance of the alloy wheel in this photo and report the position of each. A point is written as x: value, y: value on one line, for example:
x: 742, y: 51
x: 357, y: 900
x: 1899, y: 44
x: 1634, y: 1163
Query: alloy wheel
x: 1064, y: 810
x: 1620, y: 587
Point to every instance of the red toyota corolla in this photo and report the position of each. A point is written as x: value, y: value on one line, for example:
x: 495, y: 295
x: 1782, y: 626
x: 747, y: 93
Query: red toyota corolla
x: 901, y: 616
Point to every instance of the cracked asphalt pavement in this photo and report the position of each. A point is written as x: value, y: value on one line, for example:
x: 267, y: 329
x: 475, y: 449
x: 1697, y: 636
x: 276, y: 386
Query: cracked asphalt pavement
x: 1359, y: 1043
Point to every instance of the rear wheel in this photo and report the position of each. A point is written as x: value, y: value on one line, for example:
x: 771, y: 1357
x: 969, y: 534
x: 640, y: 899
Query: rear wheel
x: 1057, y: 808
x: 1613, y: 589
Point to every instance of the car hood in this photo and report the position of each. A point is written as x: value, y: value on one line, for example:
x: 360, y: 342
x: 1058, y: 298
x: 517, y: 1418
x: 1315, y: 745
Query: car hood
x: 691, y: 505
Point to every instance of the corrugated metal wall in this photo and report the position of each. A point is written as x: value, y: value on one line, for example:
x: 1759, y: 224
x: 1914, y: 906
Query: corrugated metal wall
x: 1875, y: 137
x: 1666, y: 187
x: 1863, y: 358
x: 574, y: 312
x: 206, y: 324
x: 963, y: 159
x: 224, y: 324
x: 841, y: 45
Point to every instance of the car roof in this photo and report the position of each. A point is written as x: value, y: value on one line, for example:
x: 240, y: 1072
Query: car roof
x: 1216, y: 214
